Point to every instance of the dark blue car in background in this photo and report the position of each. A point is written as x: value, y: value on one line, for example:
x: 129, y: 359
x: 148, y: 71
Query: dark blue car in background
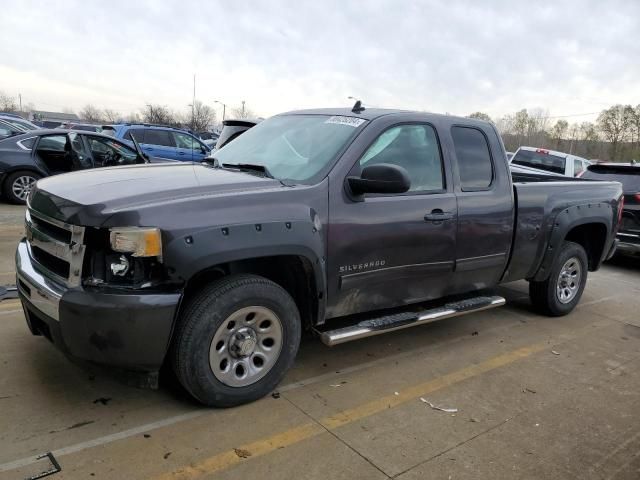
x: 161, y: 141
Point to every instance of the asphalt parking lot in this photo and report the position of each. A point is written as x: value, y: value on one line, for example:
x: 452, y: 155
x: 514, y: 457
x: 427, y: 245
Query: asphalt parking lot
x: 534, y: 397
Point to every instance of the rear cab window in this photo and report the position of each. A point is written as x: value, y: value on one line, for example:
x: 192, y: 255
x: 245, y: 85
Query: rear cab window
x: 540, y: 159
x: 475, y: 165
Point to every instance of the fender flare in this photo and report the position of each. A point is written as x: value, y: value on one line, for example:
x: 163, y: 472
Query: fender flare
x: 566, y: 220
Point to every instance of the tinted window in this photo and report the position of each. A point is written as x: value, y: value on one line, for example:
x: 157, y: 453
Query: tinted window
x: 28, y: 142
x: 474, y: 159
x: 157, y: 137
x: 540, y: 159
x: 414, y: 148
x: 629, y: 177
x: 138, y: 133
x: 79, y: 158
x: 53, y: 143
x: 107, y: 152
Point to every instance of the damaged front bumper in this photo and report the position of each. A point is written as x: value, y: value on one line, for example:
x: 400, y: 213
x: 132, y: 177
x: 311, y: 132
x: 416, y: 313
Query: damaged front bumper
x: 128, y: 330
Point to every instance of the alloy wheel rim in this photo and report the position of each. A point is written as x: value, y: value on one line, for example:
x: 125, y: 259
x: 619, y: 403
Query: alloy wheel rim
x: 22, y: 186
x: 568, y: 282
x: 246, y: 346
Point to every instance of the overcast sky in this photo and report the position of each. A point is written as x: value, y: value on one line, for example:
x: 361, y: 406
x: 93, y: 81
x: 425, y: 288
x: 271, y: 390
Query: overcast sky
x: 569, y: 57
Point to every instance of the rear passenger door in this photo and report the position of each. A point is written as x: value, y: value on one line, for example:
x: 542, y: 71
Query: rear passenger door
x: 485, y: 208
x: 159, y: 143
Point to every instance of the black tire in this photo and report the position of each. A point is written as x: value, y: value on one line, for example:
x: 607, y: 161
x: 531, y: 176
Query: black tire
x: 8, y: 186
x: 544, y: 295
x: 202, y: 318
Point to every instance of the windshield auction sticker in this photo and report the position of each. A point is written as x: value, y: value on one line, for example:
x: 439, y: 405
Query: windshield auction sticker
x: 350, y: 121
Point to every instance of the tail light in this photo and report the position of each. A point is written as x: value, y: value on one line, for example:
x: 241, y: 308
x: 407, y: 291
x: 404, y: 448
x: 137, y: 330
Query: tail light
x: 637, y: 197
x: 542, y: 150
x: 620, y: 208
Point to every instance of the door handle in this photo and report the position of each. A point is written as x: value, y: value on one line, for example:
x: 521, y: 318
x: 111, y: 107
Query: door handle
x: 148, y: 148
x: 181, y: 153
x: 437, y: 215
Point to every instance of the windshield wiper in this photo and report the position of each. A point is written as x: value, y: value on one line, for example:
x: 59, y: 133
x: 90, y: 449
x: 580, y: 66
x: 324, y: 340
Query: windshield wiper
x: 249, y: 167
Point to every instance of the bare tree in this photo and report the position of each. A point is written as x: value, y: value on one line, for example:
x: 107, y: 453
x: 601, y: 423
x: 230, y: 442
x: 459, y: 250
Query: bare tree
x: 243, y: 112
x: 90, y: 113
x: 614, y: 123
x: 634, y: 128
x: 574, y: 134
x: 203, y: 117
x: 8, y: 103
x: 481, y: 116
x: 111, y: 116
x: 558, y: 132
x: 590, y: 137
x: 159, y: 114
x: 521, y: 124
x: 537, y: 124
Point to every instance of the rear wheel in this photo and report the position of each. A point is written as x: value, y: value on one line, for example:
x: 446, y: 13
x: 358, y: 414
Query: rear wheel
x: 235, y: 340
x: 561, y: 291
x: 17, y: 186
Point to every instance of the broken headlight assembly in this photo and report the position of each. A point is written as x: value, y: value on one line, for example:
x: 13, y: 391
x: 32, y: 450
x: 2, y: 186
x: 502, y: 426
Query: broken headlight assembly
x: 129, y: 257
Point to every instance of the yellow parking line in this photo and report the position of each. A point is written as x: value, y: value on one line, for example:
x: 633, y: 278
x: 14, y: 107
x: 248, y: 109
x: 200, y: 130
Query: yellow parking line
x: 243, y: 453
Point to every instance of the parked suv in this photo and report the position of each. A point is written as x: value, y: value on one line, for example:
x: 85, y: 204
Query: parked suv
x: 161, y: 141
x: 628, y: 174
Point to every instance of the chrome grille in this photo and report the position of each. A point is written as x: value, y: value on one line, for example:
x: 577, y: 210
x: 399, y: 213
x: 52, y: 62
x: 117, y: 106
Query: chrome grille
x: 56, y: 247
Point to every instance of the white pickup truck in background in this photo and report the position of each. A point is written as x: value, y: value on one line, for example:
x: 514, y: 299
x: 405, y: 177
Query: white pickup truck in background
x: 551, y: 161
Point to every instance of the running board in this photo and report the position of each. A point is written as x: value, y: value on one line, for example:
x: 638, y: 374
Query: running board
x: 390, y: 323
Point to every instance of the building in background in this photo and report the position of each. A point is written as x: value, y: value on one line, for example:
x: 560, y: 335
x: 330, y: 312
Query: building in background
x: 52, y: 119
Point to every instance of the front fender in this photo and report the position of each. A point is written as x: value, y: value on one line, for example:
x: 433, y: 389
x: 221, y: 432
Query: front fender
x: 187, y: 255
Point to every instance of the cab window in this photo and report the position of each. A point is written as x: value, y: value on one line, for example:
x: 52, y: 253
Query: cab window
x: 474, y: 159
x: 413, y: 147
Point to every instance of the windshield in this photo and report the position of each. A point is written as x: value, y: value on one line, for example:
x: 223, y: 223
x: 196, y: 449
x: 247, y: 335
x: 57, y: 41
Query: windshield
x: 540, y: 160
x: 292, y: 147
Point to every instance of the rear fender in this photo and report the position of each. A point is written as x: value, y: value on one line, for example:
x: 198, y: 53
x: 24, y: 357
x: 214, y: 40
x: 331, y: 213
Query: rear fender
x: 569, y: 218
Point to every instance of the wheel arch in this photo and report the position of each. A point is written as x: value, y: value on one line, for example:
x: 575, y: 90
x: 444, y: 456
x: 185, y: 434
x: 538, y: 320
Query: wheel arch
x: 588, y: 225
x: 301, y: 275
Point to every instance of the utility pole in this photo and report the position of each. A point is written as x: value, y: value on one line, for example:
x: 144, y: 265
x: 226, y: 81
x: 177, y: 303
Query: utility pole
x: 20, y: 98
x: 242, y: 108
x: 193, y: 103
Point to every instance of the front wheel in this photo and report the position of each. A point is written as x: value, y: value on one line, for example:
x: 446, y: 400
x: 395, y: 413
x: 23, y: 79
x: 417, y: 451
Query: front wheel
x: 235, y: 340
x: 560, y: 293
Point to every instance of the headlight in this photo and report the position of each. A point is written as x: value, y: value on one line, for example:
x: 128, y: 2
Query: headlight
x: 140, y: 242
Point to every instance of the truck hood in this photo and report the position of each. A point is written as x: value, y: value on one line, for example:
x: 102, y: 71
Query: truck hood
x: 89, y: 197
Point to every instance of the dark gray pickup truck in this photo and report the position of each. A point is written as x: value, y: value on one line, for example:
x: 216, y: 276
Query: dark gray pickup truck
x: 336, y: 220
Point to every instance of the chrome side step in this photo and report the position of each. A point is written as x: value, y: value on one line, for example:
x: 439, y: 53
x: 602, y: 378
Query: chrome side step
x: 390, y: 323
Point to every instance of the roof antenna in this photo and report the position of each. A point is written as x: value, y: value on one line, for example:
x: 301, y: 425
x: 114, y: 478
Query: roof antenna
x: 357, y: 107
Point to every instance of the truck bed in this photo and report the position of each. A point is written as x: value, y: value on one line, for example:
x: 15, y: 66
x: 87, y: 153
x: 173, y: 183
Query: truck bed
x: 542, y: 203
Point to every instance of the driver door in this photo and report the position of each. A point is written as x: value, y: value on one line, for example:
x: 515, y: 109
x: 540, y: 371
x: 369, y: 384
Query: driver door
x: 394, y: 249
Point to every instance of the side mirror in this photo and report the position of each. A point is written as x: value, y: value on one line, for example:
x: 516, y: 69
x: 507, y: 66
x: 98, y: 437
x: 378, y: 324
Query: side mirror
x: 380, y: 178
